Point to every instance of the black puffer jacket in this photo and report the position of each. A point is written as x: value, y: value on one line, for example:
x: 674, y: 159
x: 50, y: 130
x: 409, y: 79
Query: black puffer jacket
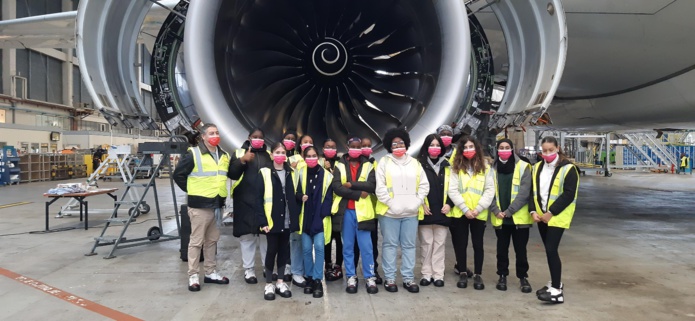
x: 246, y: 195
x: 281, y: 202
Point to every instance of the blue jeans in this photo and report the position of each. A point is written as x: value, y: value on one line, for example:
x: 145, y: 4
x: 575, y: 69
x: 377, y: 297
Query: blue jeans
x: 296, y: 254
x: 313, y: 264
x: 364, y: 242
x: 398, y: 232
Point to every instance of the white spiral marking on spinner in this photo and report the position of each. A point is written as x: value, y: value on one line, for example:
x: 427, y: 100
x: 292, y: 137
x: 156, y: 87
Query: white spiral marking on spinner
x: 341, y: 52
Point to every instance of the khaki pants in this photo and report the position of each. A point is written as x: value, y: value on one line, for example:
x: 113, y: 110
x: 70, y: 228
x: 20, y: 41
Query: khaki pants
x: 432, y: 240
x: 204, y: 234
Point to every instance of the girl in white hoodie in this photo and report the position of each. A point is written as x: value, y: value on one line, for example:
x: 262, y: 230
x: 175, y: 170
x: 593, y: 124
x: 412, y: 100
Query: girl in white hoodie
x: 401, y: 188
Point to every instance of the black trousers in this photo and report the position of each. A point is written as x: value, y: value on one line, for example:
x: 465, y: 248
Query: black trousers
x: 551, y: 239
x: 278, y: 251
x: 459, y: 229
x: 519, y: 237
x: 328, y: 250
x: 375, y: 249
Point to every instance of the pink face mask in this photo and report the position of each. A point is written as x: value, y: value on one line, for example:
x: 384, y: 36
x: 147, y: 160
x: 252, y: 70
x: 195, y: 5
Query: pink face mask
x: 398, y: 152
x: 257, y: 143
x: 289, y: 144
x: 312, y: 162
x: 549, y: 158
x: 504, y: 154
x: 354, y: 153
x: 366, y: 151
x: 329, y: 152
x: 305, y: 146
x: 279, y: 159
x: 434, y: 151
x: 469, y: 153
x: 447, y: 140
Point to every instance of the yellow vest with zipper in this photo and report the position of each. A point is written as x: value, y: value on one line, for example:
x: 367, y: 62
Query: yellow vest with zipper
x: 471, y: 189
x: 522, y: 216
x: 209, y: 177
x: 364, y: 208
x: 267, y: 174
x: 327, y: 226
x: 415, y: 166
x: 564, y: 218
x: 447, y: 174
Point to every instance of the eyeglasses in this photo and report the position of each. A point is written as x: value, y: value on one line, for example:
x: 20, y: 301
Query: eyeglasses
x: 398, y: 144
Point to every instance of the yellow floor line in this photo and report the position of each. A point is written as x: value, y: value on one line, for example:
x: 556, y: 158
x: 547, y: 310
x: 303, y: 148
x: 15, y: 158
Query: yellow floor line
x: 14, y: 204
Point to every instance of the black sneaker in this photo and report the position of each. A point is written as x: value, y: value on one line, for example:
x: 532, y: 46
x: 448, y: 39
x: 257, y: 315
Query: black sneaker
x: 351, y: 285
x: 334, y: 274
x: 298, y: 280
x: 552, y: 295
x: 411, y: 286
x: 194, y: 283
x: 377, y: 277
x: 439, y: 283
x: 525, y: 285
x: 309, y: 286
x: 390, y: 286
x: 283, y: 290
x: 371, y: 286
x: 317, y: 289
x: 216, y: 278
x: 469, y: 273
x: 502, y: 283
x: 250, y: 276
x: 426, y: 281
x: 545, y: 288
x: 269, y: 292
x: 463, y: 281
x: 478, y: 282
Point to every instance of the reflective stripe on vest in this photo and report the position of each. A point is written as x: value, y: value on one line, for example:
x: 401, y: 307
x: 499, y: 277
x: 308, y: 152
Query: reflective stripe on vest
x: 522, y: 216
x: 447, y: 174
x: 266, y: 173
x: 327, y: 226
x: 564, y: 218
x: 364, y: 208
x: 382, y: 208
x: 471, y: 189
x: 209, y: 177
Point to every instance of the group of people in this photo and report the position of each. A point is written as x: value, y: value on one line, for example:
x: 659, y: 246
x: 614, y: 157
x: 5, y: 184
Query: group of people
x: 303, y: 199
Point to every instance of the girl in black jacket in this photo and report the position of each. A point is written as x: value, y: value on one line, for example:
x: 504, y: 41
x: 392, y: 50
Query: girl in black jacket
x: 552, y: 205
x: 277, y: 211
x: 433, y: 220
x: 244, y: 167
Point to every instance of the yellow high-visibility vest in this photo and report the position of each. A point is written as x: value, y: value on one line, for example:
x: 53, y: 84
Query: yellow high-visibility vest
x: 415, y: 166
x: 522, y: 216
x: 447, y: 174
x: 266, y: 173
x: 327, y: 226
x: 209, y: 177
x: 471, y: 189
x: 564, y: 218
x: 364, y: 208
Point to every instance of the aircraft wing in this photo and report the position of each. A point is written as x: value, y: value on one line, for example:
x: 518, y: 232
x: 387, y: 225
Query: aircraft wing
x: 55, y: 30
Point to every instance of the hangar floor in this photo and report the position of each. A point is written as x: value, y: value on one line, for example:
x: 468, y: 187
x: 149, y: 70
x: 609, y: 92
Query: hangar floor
x: 630, y: 255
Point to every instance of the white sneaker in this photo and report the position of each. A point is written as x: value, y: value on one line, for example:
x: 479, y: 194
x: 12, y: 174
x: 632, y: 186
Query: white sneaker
x: 215, y: 277
x: 552, y: 295
x: 283, y: 290
x: 269, y: 292
x: 288, y: 269
x: 250, y: 276
x: 298, y: 280
x: 193, y: 283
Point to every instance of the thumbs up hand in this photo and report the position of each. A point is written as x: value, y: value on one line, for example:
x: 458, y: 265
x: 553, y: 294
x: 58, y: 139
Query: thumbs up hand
x: 248, y: 157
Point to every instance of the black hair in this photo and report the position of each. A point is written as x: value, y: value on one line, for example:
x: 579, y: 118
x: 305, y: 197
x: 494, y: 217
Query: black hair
x: 553, y: 140
x: 257, y: 129
x: 289, y: 132
x: 329, y: 140
x: 391, y: 134
x: 308, y: 149
x: 299, y: 142
x: 424, y: 150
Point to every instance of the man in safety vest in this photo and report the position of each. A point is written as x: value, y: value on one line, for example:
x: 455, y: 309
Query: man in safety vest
x: 202, y: 173
x: 684, y: 163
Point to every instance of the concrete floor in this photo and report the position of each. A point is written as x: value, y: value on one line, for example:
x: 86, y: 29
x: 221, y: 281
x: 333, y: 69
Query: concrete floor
x: 630, y: 255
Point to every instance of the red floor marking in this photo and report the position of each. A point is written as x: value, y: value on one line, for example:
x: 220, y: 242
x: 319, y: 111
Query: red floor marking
x: 68, y: 297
